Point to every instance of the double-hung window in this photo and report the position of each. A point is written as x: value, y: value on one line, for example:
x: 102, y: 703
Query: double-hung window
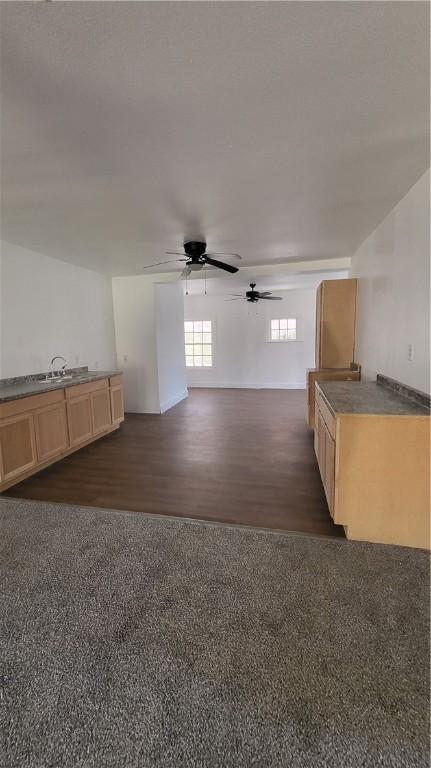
x: 198, y: 340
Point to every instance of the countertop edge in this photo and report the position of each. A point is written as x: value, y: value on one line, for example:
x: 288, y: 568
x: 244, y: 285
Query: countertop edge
x: 47, y: 387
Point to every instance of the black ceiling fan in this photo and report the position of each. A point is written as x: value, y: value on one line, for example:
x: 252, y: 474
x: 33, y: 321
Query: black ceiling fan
x: 254, y: 296
x: 196, y: 256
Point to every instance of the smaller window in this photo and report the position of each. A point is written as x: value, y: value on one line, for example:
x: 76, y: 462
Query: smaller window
x: 283, y: 329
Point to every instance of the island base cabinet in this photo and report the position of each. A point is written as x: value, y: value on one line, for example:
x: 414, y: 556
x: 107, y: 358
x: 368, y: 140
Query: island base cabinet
x: 376, y: 474
x: 382, y: 491
x: 17, y: 446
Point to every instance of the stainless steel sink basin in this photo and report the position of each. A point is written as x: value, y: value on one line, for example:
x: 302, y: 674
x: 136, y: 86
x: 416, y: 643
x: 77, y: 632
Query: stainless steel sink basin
x: 54, y: 379
x: 58, y: 379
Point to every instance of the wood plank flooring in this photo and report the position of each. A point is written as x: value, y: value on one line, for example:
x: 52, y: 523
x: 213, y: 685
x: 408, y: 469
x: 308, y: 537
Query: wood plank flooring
x: 233, y: 455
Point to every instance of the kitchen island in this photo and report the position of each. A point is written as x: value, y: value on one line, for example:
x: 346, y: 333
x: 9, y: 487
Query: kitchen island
x: 372, y: 442
x: 44, y: 418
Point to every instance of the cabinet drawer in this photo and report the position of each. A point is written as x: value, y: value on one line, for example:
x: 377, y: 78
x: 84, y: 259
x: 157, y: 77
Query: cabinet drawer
x: 85, y: 389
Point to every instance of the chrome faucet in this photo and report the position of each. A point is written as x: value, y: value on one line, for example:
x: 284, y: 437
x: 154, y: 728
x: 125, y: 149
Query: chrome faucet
x: 63, y: 367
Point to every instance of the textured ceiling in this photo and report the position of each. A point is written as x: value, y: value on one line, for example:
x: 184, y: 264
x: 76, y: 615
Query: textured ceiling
x: 279, y: 130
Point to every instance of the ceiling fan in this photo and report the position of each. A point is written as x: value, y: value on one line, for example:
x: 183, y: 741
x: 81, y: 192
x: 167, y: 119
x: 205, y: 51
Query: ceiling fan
x: 254, y: 296
x: 196, y: 256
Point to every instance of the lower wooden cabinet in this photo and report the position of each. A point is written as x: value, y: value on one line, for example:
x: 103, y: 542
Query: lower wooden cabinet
x: 39, y: 429
x: 79, y: 419
x: 117, y: 404
x: 101, y: 410
x: 17, y: 446
x: 51, y: 431
x: 375, y: 473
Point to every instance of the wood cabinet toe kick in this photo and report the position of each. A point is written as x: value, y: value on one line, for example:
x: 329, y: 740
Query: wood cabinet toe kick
x: 37, y: 430
x: 375, y: 473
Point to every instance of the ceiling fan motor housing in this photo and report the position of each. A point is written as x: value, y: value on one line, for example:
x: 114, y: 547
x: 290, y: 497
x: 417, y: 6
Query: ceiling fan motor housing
x: 195, y: 249
x: 252, y: 295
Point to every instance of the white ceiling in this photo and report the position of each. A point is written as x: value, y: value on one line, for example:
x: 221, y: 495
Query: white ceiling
x: 282, y: 130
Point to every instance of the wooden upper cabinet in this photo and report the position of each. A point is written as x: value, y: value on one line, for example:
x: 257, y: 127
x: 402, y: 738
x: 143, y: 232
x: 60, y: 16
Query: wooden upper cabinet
x: 80, y: 419
x: 335, y: 323
x: 51, y: 431
x: 101, y: 410
x: 17, y: 446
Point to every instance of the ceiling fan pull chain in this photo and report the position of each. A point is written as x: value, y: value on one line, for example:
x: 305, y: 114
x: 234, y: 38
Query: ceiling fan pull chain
x: 205, y: 276
x: 187, y: 290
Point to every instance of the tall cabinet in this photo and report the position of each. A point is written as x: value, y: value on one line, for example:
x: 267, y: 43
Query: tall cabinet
x: 335, y: 323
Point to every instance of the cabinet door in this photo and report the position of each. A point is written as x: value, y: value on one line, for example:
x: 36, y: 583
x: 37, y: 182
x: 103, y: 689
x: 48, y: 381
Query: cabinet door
x: 321, y: 429
x: 117, y: 404
x: 329, y: 473
x: 52, y: 437
x: 101, y: 410
x: 17, y: 446
x: 79, y: 419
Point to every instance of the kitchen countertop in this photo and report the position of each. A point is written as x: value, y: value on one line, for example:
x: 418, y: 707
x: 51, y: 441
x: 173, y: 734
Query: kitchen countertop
x: 25, y: 386
x: 369, y: 398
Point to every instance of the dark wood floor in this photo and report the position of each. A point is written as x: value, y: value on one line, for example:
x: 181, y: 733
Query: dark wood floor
x: 232, y: 455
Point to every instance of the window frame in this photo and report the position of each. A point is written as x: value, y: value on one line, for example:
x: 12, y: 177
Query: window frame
x: 282, y: 341
x: 200, y: 367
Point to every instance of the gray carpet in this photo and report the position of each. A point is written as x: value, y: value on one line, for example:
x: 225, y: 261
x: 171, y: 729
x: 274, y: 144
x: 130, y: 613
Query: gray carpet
x: 136, y: 641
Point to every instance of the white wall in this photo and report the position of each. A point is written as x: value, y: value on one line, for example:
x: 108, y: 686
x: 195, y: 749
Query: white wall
x: 49, y: 307
x: 169, y: 316
x: 138, y: 318
x: 242, y: 354
x: 393, y: 271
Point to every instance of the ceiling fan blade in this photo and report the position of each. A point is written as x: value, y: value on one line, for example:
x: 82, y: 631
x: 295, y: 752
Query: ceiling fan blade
x: 263, y: 294
x: 272, y: 298
x: 186, y: 272
x: 238, y: 298
x: 171, y: 261
x: 176, y: 253
x: 231, y: 255
x: 220, y: 265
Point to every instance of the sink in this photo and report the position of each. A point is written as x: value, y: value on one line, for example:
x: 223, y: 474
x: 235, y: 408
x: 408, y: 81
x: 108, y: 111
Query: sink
x: 53, y: 379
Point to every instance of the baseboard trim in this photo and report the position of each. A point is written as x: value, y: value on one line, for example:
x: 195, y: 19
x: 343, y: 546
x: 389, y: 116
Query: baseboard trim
x: 173, y: 401
x: 248, y: 385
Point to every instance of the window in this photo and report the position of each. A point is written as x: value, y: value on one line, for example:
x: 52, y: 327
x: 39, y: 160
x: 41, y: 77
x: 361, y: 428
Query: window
x: 283, y: 329
x: 198, y: 343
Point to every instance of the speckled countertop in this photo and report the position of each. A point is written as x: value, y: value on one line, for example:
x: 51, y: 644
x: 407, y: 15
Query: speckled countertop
x: 369, y: 397
x: 24, y: 386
